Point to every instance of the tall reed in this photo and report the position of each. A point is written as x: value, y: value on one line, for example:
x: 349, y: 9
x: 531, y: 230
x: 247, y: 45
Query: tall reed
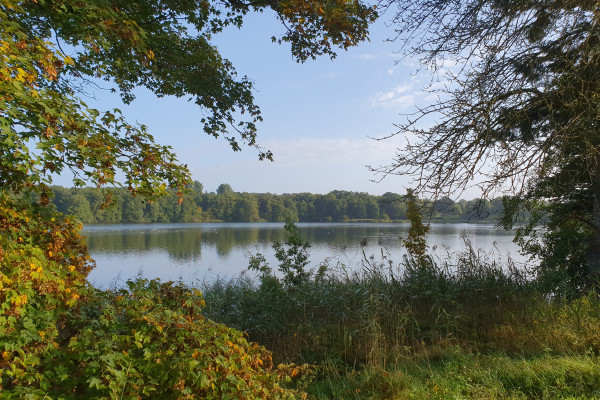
x: 379, y: 313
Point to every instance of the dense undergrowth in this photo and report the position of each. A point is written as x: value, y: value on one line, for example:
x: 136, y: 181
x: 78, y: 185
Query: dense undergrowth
x: 60, y: 338
x: 381, y: 315
x: 465, y: 328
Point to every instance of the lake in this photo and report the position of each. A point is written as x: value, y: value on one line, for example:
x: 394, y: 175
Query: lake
x: 205, y: 251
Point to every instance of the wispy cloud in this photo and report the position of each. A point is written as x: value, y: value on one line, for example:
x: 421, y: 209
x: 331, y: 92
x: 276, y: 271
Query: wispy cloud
x: 397, y: 97
x: 366, y: 56
x: 330, y: 152
x: 303, y: 164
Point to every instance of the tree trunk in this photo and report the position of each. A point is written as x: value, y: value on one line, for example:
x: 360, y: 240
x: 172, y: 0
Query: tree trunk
x: 594, y: 249
x: 594, y: 259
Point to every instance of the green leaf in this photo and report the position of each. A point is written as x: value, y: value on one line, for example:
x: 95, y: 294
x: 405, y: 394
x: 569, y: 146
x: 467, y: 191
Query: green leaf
x: 96, y: 383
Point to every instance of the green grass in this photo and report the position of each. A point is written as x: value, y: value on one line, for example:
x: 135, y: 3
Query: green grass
x: 466, y: 329
x: 465, y: 376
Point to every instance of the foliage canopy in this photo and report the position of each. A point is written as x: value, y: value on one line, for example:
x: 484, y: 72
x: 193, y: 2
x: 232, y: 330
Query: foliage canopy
x: 163, y: 46
x: 517, y: 109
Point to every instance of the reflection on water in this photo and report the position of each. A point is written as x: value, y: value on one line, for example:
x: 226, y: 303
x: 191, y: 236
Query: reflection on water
x: 194, y: 252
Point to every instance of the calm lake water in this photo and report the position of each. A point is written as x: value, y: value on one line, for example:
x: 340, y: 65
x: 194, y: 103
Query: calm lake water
x: 196, y: 252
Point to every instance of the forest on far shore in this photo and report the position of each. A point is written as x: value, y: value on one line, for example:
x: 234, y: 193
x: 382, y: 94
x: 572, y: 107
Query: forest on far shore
x: 226, y: 205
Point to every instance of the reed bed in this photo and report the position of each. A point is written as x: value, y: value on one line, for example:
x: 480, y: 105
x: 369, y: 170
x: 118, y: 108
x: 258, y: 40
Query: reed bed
x: 465, y: 327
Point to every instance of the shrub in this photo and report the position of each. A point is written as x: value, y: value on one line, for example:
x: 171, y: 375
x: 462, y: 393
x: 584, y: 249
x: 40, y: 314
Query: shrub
x: 61, y: 338
x: 43, y: 266
x: 151, y: 339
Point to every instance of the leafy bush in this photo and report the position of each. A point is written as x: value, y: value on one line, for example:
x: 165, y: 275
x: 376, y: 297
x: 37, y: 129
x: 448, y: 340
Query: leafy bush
x: 43, y: 266
x: 557, y: 238
x: 292, y: 256
x: 152, y: 339
x: 61, y: 338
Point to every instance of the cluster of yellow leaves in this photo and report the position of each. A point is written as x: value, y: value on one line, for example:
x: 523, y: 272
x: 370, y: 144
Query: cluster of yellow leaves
x: 51, y: 260
x: 339, y: 21
x: 27, y: 60
x: 43, y: 268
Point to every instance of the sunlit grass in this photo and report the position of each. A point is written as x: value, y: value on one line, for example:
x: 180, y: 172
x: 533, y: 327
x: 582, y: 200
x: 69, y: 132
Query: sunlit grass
x: 465, y: 376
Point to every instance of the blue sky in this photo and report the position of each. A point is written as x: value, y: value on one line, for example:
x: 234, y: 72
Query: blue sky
x: 319, y: 117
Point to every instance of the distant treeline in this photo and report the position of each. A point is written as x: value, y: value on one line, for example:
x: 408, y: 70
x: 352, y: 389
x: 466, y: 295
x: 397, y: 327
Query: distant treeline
x: 228, y: 206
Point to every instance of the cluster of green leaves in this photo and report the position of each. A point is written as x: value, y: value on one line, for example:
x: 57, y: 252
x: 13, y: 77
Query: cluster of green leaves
x: 292, y: 256
x: 46, y: 129
x: 43, y: 266
x: 416, y: 241
x: 555, y: 234
x: 151, y: 339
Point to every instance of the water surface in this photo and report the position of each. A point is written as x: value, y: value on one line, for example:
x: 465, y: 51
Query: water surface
x: 195, y: 252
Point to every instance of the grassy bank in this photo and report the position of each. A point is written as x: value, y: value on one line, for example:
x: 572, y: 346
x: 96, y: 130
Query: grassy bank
x: 469, y: 328
x: 458, y: 375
